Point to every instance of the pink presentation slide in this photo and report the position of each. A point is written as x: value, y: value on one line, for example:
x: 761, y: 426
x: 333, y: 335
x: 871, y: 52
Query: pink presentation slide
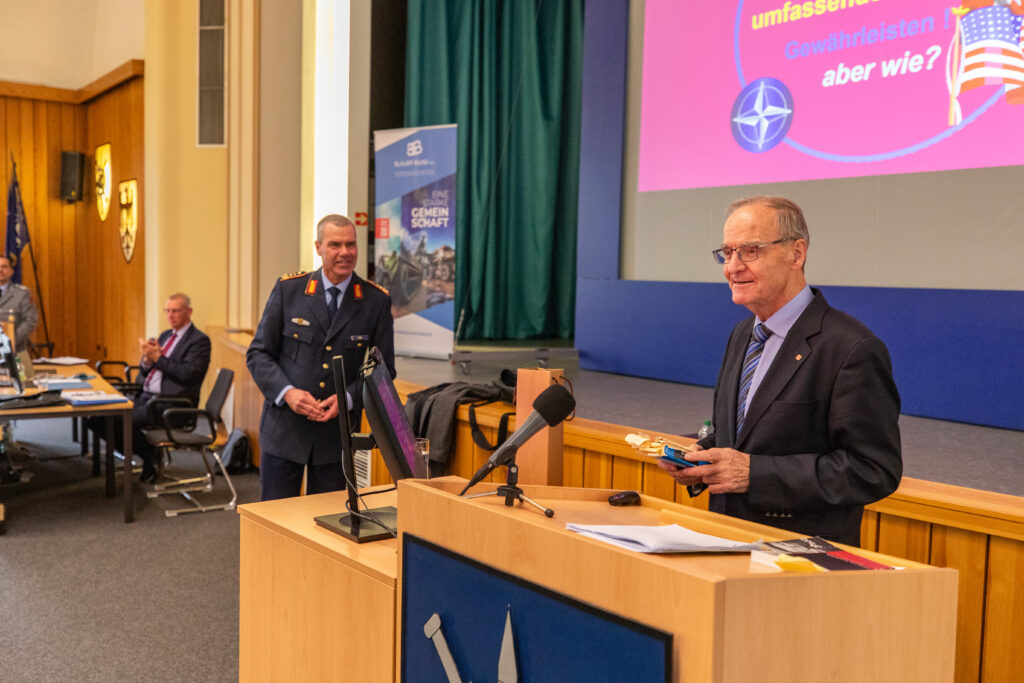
x: 755, y: 91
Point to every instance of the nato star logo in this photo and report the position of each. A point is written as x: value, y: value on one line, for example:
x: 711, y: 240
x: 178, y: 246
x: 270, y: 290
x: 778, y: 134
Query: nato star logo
x: 762, y: 114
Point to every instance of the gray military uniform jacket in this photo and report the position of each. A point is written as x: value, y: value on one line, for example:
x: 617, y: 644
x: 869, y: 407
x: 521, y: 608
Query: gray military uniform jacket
x: 17, y: 300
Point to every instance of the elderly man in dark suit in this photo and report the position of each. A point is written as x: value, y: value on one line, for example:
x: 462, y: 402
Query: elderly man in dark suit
x: 806, y: 411
x: 172, y: 365
x: 309, y: 319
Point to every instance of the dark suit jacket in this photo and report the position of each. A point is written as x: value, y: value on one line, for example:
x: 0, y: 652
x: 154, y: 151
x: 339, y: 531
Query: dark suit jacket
x: 822, y: 430
x: 185, y: 368
x: 294, y: 344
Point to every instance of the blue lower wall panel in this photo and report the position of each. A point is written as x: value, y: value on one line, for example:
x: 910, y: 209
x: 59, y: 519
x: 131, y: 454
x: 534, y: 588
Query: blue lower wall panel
x: 957, y: 354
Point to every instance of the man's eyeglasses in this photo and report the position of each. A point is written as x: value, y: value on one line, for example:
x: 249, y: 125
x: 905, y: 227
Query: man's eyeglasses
x: 747, y: 252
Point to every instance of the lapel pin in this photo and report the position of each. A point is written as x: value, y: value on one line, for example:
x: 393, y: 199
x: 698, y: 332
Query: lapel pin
x: 799, y: 356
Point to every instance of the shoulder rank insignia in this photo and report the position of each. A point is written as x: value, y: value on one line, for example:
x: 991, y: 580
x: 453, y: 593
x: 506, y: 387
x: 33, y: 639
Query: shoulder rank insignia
x: 374, y: 284
x: 357, y: 291
x: 292, y: 276
x: 311, y: 286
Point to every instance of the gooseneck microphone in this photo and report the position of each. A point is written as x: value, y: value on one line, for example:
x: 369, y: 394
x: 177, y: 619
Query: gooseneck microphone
x: 553, y: 405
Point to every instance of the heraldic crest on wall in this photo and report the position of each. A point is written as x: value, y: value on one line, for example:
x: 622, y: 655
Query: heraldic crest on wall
x: 128, y: 198
x: 102, y: 178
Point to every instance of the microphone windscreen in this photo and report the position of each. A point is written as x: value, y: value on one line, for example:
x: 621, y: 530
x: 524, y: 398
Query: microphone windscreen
x: 554, y: 404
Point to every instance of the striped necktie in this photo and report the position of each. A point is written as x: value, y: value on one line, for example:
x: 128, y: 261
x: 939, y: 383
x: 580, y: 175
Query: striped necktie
x: 150, y: 384
x: 754, y: 349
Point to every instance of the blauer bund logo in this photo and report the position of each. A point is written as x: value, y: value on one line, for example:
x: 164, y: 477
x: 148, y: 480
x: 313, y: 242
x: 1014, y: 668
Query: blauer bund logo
x: 762, y: 115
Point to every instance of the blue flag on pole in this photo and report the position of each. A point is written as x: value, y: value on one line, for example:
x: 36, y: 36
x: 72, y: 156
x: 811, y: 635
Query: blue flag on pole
x: 17, y: 227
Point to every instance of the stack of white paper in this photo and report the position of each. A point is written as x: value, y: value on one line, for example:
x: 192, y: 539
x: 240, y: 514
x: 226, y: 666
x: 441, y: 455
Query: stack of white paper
x: 61, y: 360
x: 670, y: 538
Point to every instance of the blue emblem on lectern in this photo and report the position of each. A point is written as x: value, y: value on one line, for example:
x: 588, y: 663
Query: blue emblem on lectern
x: 762, y: 114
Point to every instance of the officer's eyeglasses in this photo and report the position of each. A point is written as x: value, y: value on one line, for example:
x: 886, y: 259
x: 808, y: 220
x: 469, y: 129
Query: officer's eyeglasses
x: 746, y: 253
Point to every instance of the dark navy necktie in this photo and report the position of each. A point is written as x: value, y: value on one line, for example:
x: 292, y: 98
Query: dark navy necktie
x: 333, y: 301
x: 754, y: 349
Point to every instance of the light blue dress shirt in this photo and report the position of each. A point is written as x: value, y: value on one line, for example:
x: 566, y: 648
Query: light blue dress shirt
x: 779, y: 323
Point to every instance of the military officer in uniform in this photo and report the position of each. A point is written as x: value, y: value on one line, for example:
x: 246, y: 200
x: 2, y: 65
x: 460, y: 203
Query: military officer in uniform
x: 16, y: 300
x: 310, y: 318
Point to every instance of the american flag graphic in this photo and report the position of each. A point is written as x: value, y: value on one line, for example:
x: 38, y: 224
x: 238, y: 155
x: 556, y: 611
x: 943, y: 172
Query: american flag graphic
x: 992, y: 49
x: 985, y: 50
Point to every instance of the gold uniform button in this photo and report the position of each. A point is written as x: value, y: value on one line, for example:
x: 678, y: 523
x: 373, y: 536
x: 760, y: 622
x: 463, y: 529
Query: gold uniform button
x: 325, y: 366
x: 329, y: 348
x: 322, y: 385
x: 295, y: 334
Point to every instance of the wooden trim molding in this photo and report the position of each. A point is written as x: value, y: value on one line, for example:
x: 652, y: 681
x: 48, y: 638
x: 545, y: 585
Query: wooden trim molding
x: 44, y: 93
x: 131, y: 69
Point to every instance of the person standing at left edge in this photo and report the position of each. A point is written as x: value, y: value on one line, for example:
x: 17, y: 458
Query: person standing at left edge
x: 16, y: 300
x: 310, y: 318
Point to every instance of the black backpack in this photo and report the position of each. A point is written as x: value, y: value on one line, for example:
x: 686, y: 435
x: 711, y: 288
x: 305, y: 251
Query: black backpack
x: 237, y: 454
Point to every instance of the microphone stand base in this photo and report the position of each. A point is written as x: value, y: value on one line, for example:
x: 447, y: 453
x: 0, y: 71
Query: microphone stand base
x: 511, y: 492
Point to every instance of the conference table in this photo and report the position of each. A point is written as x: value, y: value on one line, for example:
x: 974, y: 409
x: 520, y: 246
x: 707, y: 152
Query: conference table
x: 105, y: 410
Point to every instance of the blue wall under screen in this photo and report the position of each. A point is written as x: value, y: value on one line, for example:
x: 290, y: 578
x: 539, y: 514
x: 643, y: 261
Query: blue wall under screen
x: 956, y: 353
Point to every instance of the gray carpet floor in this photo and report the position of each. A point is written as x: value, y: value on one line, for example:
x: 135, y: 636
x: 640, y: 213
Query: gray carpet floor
x: 85, y: 597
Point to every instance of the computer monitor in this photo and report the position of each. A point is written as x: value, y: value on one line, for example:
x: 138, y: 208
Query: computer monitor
x: 10, y: 362
x: 356, y: 525
x: 388, y: 422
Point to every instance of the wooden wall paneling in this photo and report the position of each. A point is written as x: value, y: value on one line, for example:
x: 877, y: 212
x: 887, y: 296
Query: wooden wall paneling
x: 967, y: 552
x: 228, y: 351
x: 1004, y: 626
x: 627, y: 475
x: 869, y: 530
x: 5, y: 167
x: 572, y: 466
x: 74, y: 223
x: 379, y: 475
x: 87, y: 338
x: 907, y: 538
x: 34, y: 193
x: 469, y: 458
x: 35, y: 132
x: 657, y: 483
x: 597, y: 470
x: 55, y: 264
x: 117, y: 289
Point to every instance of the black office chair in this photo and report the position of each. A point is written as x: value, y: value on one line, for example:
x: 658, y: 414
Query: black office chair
x: 123, y: 378
x: 181, y: 428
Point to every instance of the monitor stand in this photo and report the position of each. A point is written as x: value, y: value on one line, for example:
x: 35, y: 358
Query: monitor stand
x: 362, y: 530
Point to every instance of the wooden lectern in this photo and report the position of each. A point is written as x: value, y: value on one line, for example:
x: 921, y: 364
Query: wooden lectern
x: 731, y: 620
x: 314, y: 606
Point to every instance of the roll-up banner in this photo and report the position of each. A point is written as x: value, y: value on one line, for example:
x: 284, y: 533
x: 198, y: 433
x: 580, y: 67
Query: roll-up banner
x: 415, y: 235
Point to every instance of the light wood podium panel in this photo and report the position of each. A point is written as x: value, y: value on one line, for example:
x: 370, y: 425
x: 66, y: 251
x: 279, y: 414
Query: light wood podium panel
x: 731, y: 621
x: 312, y: 605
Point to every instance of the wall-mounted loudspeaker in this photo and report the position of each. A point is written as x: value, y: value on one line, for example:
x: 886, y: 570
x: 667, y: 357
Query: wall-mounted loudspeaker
x: 72, y: 169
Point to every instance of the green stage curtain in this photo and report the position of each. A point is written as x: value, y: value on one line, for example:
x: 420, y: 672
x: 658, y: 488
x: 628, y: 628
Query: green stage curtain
x: 509, y: 74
